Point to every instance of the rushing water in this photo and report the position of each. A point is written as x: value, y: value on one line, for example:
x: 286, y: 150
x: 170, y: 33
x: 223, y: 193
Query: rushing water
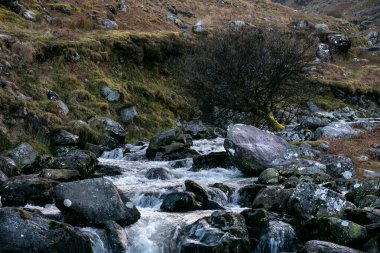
x: 155, y: 230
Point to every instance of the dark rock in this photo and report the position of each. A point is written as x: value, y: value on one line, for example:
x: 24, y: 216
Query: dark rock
x: 96, y: 149
x: 200, y: 193
x: 336, y: 230
x: 65, y: 138
x: 62, y: 175
x: 9, y: 167
x: 291, y: 182
x: 24, y: 154
x: 359, y: 190
x: 338, y: 166
x: 91, y: 202
x: 211, y: 160
x: 22, y: 190
x: 213, y: 205
x: 253, y: 150
x: 224, y: 188
x: 368, y: 201
x: 339, y: 43
x: 256, y: 217
x: 309, y: 200
x: 273, y: 199
x: 109, y: 170
x: 159, y: 173
x: 316, y: 246
x: 373, y: 245
x: 24, y: 231
x: 268, y: 177
x: 363, y: 216
x: 247, y: 194
x: 324, y: 53
x: 52, y: 95
x: 179, y: 202
x: 43, y: 161
x: 183, y: 163
x: 82, y: 161
x: 220, y: 232
x: 117, y: 238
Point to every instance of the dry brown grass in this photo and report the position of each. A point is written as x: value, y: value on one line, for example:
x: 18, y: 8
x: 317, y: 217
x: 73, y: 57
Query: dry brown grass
x: 25, y: 51
x: 355, y: 147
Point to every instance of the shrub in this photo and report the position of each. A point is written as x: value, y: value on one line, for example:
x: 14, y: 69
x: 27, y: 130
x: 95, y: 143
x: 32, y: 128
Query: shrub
x: 247, y: 70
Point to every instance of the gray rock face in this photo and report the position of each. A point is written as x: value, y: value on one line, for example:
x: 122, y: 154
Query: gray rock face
x: 92, y: 202
x: 9, y: 167
x: 122, y: 6
x: 253, y: 150
x: 310, y: 200
x: 24, y: 154
x: 110, y: 94
x: 338, y: 166
x: 61, y: 108
x: 373, y: 39
x: 221, y: 232
x: 23, y: 190
x: 80, y: 160
x: 24, y: 231
x: 128, y: 114
x: 337, y: 130
x: 316, y: 246
x: 63, y: 137
x: 323, y: 53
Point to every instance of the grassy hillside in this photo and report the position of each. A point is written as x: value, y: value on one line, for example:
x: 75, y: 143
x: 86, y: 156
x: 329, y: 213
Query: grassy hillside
x: 132, y: 59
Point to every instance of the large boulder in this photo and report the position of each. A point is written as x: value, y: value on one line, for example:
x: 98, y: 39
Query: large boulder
x: 316, y: 246
x: 22, y: 190
x: 310, y: 200
x: 82, y: 161
x: 92, y: 202
x: 24, y: 154
x: 211, y: 160
x: 200, y: 193
x: 222, y: 232
x: 23, y: 231
x: 338, y: 166
x: 253, y: 150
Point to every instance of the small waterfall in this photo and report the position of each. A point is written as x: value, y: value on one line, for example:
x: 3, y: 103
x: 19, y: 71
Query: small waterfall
x: 96, y: 240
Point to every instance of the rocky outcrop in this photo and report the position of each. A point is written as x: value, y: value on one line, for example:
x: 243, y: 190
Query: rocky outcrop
x: 92, y: 202
x: 253, y: 150
x: 24, y: 231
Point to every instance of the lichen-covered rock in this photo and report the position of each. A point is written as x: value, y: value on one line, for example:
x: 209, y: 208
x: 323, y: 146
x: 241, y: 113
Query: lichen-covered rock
x: 222, y: 232
x: 179, y: 202
x: 24, y: 154
x: 360, y: 189
x: 24, y: 231
x: 269, y: 176
x: 338, y: 166
x: 343, y: 232
x: 310, y: 200
x: 316, y: 246
x: 82, y: 161
x: 163, y: 139
x: 253, y: 150
x: 91, y: 202
x: 22, y: 190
